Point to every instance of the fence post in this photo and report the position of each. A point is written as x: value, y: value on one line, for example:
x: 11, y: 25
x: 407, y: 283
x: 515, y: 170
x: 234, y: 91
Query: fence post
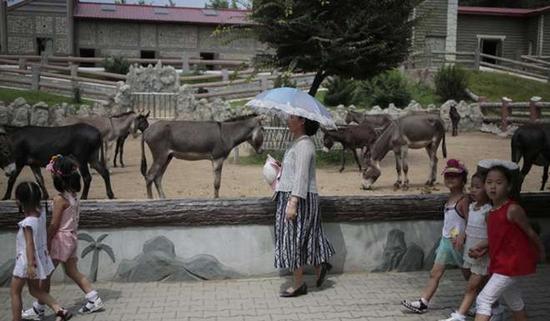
x: 225, y: 75
x: 477, y: 59
x: 35, y: 81
x: 44, y: 58
x: 534, y: 108
x: 185, y: 63
x: 74, y: 75
x: 505, y: 112
x: 428, y: 57
x: 22, y: 63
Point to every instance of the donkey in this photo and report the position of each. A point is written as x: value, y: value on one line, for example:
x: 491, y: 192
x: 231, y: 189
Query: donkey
x: 532, y: 143
x: 140, y: 123
x: 196, y: 140
x: 411, y: 131
x: 34, y: 146
x: 352, y: 137
x: 377, y: 121
x: 455, y: 119
x: 111, y: 128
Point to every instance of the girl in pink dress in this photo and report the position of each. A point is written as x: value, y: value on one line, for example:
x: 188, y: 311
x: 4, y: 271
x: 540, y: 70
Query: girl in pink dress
x: 62, y: 234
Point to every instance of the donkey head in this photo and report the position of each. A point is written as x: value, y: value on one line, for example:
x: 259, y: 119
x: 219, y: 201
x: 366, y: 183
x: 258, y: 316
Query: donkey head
x: 7, y: 160
x: 256, y: 137
x: 141, y: 122
x: 371, y: 170
x: 328, y: 141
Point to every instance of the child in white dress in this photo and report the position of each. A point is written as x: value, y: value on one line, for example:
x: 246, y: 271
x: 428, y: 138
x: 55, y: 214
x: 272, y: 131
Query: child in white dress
x: 33, y: 262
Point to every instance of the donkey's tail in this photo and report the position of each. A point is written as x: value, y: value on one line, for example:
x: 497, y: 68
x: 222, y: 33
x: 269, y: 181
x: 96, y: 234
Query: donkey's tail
x: 516, y: 148
x: 143, y: 158
x: 444, y: 146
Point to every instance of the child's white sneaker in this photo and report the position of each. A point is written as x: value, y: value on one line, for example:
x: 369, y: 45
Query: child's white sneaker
x: 32, y: 314
x: 455, y: 317
x: 91, y: 306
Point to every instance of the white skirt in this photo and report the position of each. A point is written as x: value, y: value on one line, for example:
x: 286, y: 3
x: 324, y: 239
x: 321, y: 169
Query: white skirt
x: 44, y: 265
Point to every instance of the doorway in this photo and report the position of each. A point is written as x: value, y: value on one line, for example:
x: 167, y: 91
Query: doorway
x: 491, y: 47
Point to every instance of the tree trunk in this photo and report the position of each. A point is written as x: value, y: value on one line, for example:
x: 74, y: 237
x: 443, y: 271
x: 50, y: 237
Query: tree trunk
x: 319, y: 77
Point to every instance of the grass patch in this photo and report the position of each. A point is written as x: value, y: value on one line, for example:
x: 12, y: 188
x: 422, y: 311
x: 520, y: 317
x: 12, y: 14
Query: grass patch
x: 33, y: 97
x: 422, y: 94
x: 323, y: 159
x: 495, y: 85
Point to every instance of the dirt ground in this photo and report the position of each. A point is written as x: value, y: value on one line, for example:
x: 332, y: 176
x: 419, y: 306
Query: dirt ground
x: 194, y: 179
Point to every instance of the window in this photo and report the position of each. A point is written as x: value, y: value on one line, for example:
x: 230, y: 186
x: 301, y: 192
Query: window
x: 87, y: 53
x: 44, y: 45
x: 208, y: 56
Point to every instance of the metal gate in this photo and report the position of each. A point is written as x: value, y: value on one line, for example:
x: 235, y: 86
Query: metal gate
x: 161, y: 105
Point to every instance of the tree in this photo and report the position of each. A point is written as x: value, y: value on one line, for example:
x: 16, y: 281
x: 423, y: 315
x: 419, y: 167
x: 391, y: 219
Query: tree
x: 346, y: 38
x: 217, y: 4
x: 96, y: 246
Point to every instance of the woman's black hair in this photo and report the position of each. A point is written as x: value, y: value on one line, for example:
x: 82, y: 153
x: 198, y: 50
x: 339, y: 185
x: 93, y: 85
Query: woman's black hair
x: 66, y: 177
x: 310, y: 127
x: 29, y: 195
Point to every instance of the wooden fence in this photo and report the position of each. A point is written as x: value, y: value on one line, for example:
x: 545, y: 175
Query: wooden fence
x: 518, y: 112
x: 532, y: 66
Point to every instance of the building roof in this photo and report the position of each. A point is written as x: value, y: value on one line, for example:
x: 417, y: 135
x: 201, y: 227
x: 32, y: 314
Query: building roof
x: 506, y: 12
x: 136, y: 12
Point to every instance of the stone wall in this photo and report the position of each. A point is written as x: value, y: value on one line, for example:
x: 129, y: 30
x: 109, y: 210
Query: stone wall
x: 24, y: 29
x: 20, y: 113
x: 167, y: 40
x: 471, y: 115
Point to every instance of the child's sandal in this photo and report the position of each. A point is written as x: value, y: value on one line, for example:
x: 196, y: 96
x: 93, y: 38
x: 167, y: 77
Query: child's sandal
x: 64, y: 314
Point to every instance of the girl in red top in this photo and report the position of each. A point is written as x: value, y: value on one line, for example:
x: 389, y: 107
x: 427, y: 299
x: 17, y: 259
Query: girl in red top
x: 513, y: 245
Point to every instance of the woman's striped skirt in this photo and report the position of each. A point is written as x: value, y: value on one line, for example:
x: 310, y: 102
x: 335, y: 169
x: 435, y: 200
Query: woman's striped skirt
x: 300, y: 241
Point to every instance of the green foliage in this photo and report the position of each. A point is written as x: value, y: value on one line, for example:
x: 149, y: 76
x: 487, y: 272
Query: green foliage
x: 32, y: 97
x: 217, y: 4
x: 495, y: 85
x: 340, y: 91
x: 451, y: 83
x: 385, y: 88
x: 116, y: 65
x: 284, y: 80
x: 347, y: 38
x: 77, y: 98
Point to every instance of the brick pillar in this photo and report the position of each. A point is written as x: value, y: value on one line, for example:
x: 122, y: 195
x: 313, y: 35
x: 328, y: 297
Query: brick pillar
x: 70, y: 28
x: 505, y: 112
x: 534, y: 108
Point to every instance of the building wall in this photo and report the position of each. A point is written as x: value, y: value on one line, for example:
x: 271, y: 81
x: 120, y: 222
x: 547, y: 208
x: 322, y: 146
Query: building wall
x: 532, y: 35
x: 514, y: 45
x: 168, y: 40
x: 38, y: 19
x: 431, y: 30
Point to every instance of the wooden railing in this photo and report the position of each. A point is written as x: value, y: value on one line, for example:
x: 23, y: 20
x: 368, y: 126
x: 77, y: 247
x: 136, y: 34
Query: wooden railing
x: 533, y: 66
x: 508, y: 112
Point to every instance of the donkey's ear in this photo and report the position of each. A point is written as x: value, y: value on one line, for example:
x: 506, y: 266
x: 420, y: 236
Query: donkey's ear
x: 147, y: 115
x: 263, y: 118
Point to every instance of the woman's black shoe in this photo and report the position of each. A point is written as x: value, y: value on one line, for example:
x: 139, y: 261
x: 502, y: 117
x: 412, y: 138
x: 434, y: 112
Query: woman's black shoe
x: 325, y: 267
x: 297, y: 292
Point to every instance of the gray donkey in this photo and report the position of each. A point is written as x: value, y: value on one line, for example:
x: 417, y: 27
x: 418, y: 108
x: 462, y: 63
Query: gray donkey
x: 196, y: 140
x: 111, y: 128
x: 411, y: 131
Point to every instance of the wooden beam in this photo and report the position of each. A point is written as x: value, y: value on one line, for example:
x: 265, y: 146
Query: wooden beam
x: 242, y: 211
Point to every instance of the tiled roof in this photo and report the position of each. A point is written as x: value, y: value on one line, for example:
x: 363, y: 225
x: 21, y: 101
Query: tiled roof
x: 160, y: 14
x: 507, y: 12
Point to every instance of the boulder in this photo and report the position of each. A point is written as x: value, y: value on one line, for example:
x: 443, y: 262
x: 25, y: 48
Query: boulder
x: 413, y: 259
x: 393, y: 251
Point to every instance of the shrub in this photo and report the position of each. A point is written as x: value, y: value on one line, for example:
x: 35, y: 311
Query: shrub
x: 116, y: 65
x: 284, y: 80
x: 340, y: 91
x: 77, y: 97
x: 451, y: 82
x: 385, y: 88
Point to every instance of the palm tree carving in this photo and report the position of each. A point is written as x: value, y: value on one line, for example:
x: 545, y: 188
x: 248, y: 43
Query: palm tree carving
x: 96, y: 246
